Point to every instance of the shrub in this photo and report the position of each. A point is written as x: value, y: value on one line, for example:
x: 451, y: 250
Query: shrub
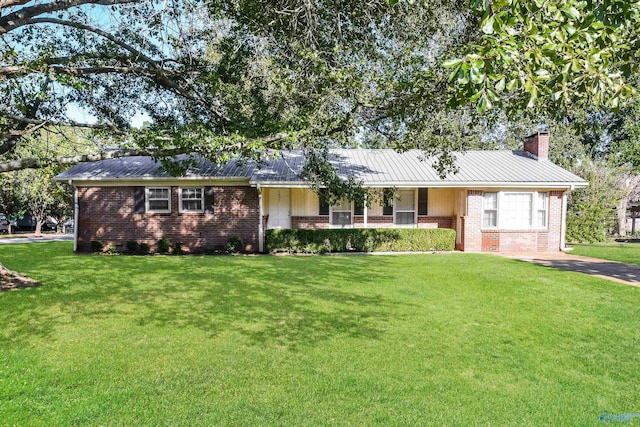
x: 110, y: 249
x: 163, y: 245
x: 234, y: 244
x: 360, y: 240
x: 132, y: 246
x: 177, y: 249
x: 144, y: 249
x: 97, y: 246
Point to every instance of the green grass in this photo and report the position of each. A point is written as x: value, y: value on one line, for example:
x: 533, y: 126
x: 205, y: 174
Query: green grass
x: 614, y: 251
x: 451, y: 339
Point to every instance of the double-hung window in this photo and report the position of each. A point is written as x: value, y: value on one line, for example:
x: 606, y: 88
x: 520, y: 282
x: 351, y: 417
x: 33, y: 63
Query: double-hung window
x: 405, y: 207
x: 490, y: 214
x: 158, y: 199
x: 341, y: 214
x: 192, y: 199
x: 513, y: 210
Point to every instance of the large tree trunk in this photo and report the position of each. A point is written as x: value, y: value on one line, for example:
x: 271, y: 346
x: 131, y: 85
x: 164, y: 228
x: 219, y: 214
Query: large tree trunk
x: 38, y: 226
x: 622, y: 215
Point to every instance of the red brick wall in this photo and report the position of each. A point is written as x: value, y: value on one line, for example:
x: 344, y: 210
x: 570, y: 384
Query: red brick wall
x: 107, y: 214
x: 318, y: 221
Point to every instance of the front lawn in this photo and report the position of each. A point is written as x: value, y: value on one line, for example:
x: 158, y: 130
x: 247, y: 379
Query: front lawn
x: 613, y: 251
x: 451, y: 339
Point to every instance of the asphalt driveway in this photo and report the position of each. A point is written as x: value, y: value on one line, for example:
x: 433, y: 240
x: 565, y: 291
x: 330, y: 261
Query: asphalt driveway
x: 618, y: 272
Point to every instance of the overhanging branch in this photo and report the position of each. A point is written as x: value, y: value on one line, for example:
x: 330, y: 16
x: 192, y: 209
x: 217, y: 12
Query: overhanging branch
x: 23, y: 17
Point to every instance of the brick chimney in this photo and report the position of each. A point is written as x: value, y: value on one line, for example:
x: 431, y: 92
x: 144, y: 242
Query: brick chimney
x: 538, y: 145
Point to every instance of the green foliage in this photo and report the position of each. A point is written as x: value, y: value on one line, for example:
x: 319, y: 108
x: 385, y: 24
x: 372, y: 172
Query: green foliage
x: 144, y: 249
x: 177, y: 249
x: 549, y: 54
x: 164, y: 245
x: 133, y: 247
x: 234, y: 244
x: 591, y: 211
x: 97, y: 246
x: 360, y: 240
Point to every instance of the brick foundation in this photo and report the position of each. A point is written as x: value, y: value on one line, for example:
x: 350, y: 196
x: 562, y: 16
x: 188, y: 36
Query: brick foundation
x: 108, y: 214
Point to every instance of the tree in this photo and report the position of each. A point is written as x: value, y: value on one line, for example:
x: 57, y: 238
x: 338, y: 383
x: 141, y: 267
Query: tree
x: 591, y: 212
x: 221, y: 78
x: 549, y: 54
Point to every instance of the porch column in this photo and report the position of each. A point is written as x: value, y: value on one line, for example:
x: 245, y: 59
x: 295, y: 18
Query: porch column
x: 76, y: 216
x: 563, y: 222
x: 365, y: 211
x: 260, y: 222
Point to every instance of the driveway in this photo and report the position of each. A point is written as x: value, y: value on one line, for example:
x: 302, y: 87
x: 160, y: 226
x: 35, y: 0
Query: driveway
x: 628, y: 274
x: 36, y: 239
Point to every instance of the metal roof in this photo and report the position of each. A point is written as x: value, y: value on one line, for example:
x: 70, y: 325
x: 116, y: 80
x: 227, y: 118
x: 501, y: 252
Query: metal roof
x: 371, y: 166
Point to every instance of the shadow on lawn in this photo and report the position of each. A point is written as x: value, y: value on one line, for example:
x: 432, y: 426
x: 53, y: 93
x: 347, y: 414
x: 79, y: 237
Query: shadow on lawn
x: 287, y: 301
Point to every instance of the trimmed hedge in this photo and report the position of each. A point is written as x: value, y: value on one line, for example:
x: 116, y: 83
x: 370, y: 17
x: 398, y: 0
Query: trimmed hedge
x: 360, y: 240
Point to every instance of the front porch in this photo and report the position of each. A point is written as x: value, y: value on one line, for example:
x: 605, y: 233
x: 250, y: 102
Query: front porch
x: 302, y: 208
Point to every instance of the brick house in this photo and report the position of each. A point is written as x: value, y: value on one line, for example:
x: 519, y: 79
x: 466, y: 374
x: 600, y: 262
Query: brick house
x: 498, y: 201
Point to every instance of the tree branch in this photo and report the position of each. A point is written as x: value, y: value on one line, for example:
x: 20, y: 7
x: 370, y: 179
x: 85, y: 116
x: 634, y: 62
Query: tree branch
x: 70, y: 123
x: 11, y: 3
x: 36, y: 163
x: 136, y: 53
x: 24, y: 16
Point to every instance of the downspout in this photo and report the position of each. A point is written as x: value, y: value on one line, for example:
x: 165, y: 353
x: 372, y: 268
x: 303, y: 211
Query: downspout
x: 563, y: 222
x: 260, y: 223
x: 75, y: 217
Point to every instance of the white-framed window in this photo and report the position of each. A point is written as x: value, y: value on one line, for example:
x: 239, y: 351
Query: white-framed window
x: 342, y: 214
x: 490, y: 212
x: 542, y: 209
x: 515, y: 210
x: 158, y: 199
x: 192, y: 199
x: 405, y: 208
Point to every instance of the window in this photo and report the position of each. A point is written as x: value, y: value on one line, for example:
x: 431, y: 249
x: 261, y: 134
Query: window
x: 387, y: 202
x: 405, y: 207
x: 490, y: 214
x: 158, y: 199
x: 341, y: 213
x: 323, y: 204
x: 515, y: 210
x: 191, y: 200
x: 541, y: 213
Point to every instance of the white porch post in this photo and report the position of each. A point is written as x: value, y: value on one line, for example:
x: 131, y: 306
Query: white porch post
x: 563, y: 222
x: 365, y: 211
x: 260, y: 223
x: 75, y: 218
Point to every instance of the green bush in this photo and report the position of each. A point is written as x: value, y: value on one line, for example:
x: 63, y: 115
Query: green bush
x: 360, y: 240
x: 132, y: 246
x: 97, y: 246
x: 144, y: 249
x: 164, y: 245
x: 234, y: 244
x: 177, y: 249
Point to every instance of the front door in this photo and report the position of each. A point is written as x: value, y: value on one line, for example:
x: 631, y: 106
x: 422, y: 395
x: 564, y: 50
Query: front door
x: 279, y: 208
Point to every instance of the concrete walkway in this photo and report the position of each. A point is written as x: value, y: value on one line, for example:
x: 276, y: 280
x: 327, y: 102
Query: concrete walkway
x: 36, y: 239
x: 628, y: 274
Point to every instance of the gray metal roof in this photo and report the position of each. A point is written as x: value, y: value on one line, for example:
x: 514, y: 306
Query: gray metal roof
x: 372, y: 166
x: 136, y: 167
